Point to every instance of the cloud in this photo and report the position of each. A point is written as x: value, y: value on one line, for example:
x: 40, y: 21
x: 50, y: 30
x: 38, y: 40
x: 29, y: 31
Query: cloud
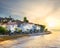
x: 31, y: 8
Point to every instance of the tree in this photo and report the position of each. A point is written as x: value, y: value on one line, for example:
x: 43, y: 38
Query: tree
x: 46, y: 30
x: 9, y: 16
x: 3, y: 30
x: 25, y: 19
x: 42, y: 28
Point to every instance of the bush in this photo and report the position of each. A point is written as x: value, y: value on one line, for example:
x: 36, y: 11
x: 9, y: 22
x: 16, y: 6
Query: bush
x: 19, y: 30
x: 42, y: 28
x: 3, y: 30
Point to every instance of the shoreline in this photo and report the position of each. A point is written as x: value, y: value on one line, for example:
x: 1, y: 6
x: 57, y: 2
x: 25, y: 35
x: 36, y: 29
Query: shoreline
x: 7, y: 37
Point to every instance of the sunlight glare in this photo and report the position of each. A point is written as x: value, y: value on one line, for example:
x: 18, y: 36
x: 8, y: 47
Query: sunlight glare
x: 51, y: 22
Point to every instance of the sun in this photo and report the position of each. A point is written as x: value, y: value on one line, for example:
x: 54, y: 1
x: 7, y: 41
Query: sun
x: 51, y: 22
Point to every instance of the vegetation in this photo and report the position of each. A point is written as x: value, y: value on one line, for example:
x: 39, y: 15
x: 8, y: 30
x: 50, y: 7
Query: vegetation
x: 19, y: 30
x: 6, y: 19
x: 46, y: 30
x: 25, y: 19
x: 42, y: 28
x: 3, y: 30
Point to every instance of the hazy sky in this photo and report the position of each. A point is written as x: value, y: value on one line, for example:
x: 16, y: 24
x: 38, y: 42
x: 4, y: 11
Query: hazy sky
x: 37, y: 11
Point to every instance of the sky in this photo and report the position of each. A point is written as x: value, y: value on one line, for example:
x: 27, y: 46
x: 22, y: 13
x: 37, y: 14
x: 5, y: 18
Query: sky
x: 45, y: 12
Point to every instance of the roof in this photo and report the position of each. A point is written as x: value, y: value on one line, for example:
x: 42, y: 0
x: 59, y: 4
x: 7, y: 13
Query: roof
x: 11, y: 23
x: 19, y: 22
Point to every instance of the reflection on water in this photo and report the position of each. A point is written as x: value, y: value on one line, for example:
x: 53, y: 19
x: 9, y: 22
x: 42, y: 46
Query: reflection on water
x: 45, y: 41
x: 52, y: 40
x: 41, y: 41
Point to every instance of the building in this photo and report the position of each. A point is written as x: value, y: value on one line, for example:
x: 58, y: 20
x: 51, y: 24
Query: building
x: 29, y: 27
x: 11, y: 26
x: 25, y: 27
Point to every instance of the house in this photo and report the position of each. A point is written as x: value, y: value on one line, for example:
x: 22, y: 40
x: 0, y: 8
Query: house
x: 11, y: 26
x: 25, y: 27
x: 38, y: 27
x: 29, y: 27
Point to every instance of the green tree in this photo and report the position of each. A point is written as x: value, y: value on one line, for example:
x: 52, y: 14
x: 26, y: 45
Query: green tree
x: 25, y: 19
x: 42, y: 28
x: 10, y: 18
x: 3, y: 30
x: 20, y: 30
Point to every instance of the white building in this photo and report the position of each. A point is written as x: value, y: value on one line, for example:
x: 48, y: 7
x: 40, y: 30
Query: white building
x: 27, y: 27
x: 11, y: 26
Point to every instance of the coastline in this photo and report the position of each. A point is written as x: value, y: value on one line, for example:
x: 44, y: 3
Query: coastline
x: 7, y: 37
